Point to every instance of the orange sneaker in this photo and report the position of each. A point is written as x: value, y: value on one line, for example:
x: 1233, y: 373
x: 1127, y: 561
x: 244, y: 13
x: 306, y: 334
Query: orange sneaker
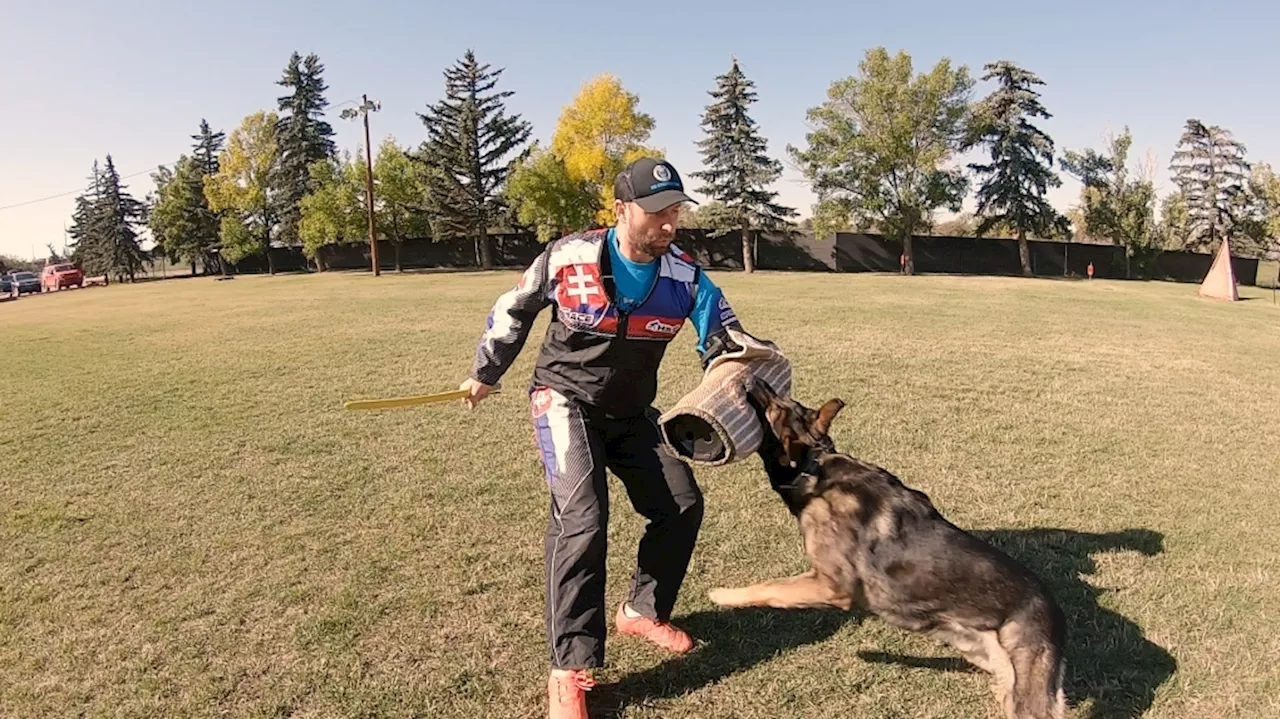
x: 662, y: 634
x: 567, y: 694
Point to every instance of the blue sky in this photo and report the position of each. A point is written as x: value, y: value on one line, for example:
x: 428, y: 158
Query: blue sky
x: 82, y: 79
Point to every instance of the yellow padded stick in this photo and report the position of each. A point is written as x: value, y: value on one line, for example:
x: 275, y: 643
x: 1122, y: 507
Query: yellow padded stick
x: 410, y: 401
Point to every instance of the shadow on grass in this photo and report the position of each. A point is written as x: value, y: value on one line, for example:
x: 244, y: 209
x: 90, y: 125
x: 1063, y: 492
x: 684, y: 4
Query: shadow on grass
x: 942, y: 664
x: 737, y: 641
x: 1111, y: 667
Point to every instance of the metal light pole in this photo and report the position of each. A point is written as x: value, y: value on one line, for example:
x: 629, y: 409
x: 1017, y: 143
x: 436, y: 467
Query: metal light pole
x: 363, y: 109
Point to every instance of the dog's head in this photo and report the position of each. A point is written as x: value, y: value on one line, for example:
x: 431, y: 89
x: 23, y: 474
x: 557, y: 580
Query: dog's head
x: 793, y: 432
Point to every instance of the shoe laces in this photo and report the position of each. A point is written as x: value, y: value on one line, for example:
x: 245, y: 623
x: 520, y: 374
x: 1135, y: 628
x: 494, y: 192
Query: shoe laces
x: 666, y: 629
x: 578, y: 679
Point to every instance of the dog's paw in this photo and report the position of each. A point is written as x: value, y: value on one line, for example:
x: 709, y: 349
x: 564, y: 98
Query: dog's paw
x: 721, y: 597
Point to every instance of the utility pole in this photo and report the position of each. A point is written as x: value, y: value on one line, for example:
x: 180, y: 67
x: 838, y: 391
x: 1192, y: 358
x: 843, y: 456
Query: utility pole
x: 363, y: 110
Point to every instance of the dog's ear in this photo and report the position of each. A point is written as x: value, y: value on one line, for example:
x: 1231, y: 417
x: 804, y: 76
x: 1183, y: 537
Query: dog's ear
x: 826, y: 414
x: 793, y: 448
x: 777, y: 420
x: 765, y: 399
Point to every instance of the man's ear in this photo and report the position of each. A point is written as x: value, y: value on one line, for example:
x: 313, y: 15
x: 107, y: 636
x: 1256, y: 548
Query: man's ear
x: 827, y: 413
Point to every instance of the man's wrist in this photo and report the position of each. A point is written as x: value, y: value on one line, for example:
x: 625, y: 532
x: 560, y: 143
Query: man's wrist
x: 484, y: 378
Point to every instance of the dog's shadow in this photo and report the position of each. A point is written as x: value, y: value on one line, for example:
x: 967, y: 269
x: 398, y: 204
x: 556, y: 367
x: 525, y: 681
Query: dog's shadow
x: 1111, y: 666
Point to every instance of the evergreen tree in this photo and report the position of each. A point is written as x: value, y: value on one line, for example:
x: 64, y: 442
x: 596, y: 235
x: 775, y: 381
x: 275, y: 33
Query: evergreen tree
x: 1210, y: 170
x: 205, y: 151
x: 205, y: 163
x: 738, y: 170
x: 1021, y: 168
x: 304, y: 138
x: 106, y: 242
x: 472, y: 145
x: 85, y: 244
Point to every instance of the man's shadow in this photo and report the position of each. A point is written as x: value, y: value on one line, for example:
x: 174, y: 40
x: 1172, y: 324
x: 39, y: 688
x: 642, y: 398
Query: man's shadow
x: 741, y: 639
x: 1111, y: 667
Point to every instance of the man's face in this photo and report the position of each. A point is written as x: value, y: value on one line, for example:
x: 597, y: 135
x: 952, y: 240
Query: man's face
x: 650, y: 232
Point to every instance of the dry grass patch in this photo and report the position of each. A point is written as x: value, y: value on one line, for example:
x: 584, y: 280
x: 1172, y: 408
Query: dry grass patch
x: 192, y: 526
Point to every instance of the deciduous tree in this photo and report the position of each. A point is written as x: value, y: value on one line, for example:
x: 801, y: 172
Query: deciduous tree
x: 179, y: 215
x: 881, y: 143
x: 241, y: 189
x: 598, y: 134
x: 1116, y: 207
x: 546, y: 198
x: 335, y: 212
x: 401, y: 194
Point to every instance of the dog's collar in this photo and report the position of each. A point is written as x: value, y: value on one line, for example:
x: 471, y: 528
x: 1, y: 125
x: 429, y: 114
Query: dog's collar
x: 812, y: 462
x: 799, y: 481
x: 811, y: 466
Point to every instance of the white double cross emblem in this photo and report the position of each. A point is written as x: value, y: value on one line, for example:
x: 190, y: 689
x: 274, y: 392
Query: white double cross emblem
x: 581, y: 286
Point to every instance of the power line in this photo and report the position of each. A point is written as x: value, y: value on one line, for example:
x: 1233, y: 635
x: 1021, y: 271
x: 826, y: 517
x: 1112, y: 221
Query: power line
x: 125, y: 177
x: 72, y: 192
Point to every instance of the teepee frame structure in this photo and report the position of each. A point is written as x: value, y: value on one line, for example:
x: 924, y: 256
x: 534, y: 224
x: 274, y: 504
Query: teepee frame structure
x: 1220, y: 283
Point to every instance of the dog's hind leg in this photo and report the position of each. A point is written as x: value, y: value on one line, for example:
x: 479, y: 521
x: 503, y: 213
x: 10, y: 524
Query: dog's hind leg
x: 983, y: 650
x: 1037, y: 691
x: 803, y: 590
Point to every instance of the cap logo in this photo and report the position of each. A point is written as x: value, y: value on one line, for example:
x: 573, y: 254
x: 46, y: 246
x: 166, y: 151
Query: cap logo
x: 661, y: 173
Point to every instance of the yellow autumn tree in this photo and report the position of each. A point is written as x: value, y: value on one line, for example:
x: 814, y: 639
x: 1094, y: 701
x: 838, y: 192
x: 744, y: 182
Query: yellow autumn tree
x: 241, y: 189
x: 598, y: 134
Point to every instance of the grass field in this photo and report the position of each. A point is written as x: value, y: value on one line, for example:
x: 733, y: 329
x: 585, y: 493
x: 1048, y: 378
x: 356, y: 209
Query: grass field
x: 192, y: 526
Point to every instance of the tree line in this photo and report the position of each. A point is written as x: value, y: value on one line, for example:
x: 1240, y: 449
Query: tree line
x: 882, y: 155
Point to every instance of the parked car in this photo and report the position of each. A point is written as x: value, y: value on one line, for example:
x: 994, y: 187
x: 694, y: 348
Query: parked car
x: 24, y: 282
x: 56, y: 277
x: 6, y: 289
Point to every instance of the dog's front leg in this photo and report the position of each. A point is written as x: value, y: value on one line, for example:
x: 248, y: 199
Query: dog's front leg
x: 803, y: 590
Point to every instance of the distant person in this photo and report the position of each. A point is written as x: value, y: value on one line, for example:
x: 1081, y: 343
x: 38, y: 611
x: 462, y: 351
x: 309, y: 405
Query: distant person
x: 620, y: 295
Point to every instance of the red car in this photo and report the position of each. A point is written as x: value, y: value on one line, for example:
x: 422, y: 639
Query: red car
x: 56, y: 277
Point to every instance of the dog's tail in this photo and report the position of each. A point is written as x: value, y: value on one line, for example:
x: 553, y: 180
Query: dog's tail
x: 1035, y: 642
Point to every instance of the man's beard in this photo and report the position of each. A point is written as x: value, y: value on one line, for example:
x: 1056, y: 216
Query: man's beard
x: 653, y: 244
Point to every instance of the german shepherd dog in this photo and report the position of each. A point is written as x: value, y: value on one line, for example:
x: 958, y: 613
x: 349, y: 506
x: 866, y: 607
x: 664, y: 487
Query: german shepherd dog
x: 882, y: 547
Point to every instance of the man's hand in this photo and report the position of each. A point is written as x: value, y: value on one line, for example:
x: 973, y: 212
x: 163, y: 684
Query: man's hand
x: 479, y: 391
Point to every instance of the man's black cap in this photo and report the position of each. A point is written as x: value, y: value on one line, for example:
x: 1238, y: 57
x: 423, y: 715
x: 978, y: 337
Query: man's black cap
x: 652, y: 184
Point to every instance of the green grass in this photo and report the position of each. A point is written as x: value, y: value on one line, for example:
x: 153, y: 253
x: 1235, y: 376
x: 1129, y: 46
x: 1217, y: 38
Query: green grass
x: 192, y: 526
